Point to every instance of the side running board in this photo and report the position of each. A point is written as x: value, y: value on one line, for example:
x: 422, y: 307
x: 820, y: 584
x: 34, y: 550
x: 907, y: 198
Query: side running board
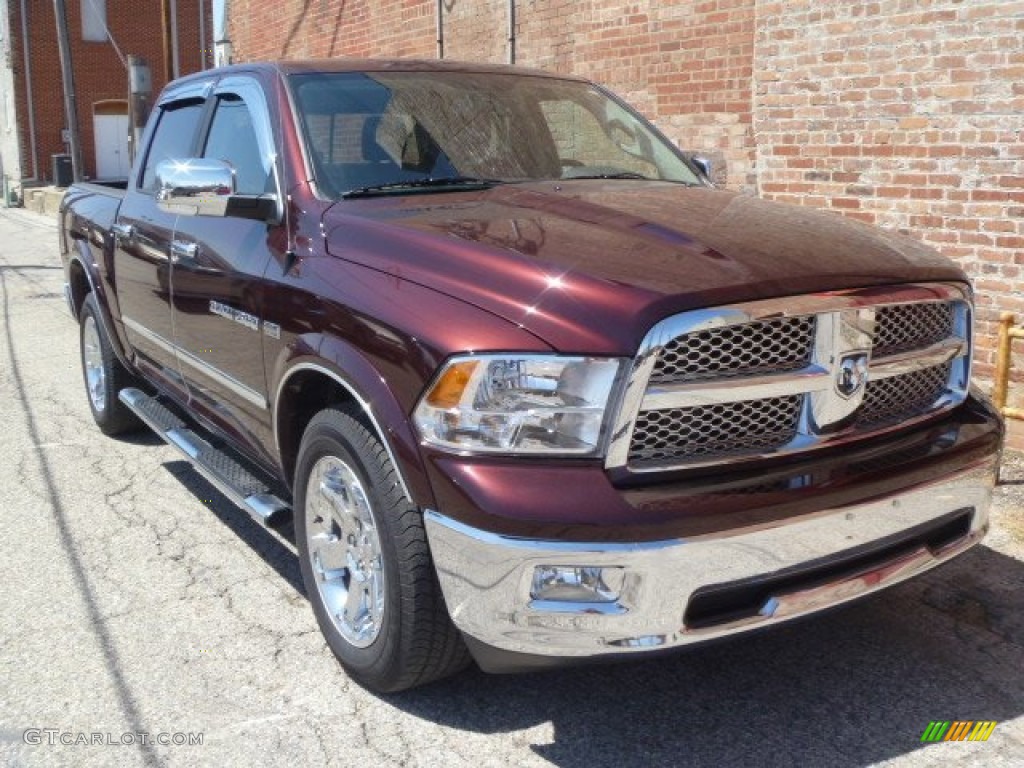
x: 231, y: 478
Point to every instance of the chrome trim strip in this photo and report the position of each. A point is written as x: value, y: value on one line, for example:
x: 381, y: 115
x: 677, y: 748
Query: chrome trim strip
x: 487, y: 577
x: 917, y: 359
x: 155, y: 338
x: 793, y: 604
x: 813, y: 378
x: 629, y: 408
x: 355, y: 396
x: 246, y: 393
x: 845, y: 324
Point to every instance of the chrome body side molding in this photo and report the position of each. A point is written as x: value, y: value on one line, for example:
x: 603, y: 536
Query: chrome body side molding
x: 247, y: 393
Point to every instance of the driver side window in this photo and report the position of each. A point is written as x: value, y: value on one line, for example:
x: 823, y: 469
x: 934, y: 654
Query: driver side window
x: 584, y: 141
x: 232, y: 138
x: 173, y: 138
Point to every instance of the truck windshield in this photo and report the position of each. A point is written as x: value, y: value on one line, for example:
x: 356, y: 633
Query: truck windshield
x: 399, y: 132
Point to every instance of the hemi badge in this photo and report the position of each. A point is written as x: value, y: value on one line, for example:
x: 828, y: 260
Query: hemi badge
x: 243, y: 318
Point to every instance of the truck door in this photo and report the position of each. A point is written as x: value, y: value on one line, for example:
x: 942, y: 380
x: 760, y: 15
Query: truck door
x: 217, y: 272
x: 143, y: 235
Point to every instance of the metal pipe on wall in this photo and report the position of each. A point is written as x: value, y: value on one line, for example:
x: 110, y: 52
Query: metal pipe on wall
x: 202, y: 34
x: 165, y: 32
x: 511, y: 31
x: 68, y: 77
x: 440, y: 29
x: 175, y: 64
x: 29, y: 98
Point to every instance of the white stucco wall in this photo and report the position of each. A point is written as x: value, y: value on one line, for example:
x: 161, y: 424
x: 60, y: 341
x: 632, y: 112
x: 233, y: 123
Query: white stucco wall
x: 9, y: 153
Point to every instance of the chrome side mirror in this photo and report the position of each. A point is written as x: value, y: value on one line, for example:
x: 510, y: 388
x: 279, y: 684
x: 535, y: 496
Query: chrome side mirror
x: 206, y: 187
x: 703, y: 164
x: 194, y: 187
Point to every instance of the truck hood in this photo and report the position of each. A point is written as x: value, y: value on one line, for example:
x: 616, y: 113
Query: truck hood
x: 590, y: 266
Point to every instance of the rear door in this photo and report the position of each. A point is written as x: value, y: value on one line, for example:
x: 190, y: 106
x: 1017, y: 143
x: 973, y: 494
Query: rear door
x: 143, y: 234
x: 218, y: 266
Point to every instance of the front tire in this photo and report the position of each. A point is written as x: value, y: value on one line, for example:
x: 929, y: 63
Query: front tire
x: 365, y: 560
x: 103, y: 374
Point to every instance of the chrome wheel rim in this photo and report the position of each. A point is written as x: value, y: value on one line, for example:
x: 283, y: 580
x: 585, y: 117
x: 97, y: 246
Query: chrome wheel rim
x: 343, y: 547
x: 92, y: 359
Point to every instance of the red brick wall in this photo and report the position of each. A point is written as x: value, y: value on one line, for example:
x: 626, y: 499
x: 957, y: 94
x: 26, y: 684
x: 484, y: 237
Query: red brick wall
x: 99, y: 74
x: 478, y: 31
x: 904, y: 113
x: 300, y: 29
x: 686, y: 65
x: 909, y: 115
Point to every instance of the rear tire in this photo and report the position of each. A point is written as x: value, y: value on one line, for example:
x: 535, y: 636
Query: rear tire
x: 103, y: 374
x: 365, y: 560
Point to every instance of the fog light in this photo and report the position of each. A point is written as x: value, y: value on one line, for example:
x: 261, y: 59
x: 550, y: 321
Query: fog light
x: 576, y: 584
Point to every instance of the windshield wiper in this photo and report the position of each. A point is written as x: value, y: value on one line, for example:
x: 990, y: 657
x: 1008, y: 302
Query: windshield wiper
x: 627, y: 175
x: 622, y: 175
x: 442, y: 182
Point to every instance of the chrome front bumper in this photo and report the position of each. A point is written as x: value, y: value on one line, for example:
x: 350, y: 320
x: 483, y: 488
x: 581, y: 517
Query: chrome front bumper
x: 790, y: 569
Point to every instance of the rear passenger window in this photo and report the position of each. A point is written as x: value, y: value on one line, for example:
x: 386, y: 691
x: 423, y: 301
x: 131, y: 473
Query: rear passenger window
x: 233, y: 139
x: 173, y: 138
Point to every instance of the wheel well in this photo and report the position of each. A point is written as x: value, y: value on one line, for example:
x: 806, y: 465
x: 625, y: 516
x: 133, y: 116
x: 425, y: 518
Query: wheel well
x: 79, y: 285
x: 305, y: 394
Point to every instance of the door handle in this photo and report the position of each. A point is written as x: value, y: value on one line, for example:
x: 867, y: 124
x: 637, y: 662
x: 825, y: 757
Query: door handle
x: 183, y: 256
x: 182, y: 251
x: 123, y: 231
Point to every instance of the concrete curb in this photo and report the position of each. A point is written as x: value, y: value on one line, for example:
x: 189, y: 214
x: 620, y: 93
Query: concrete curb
x: 45, y: 200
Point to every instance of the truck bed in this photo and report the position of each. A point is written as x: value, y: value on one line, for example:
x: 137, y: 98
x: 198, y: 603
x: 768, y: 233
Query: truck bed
x: 91, y: 206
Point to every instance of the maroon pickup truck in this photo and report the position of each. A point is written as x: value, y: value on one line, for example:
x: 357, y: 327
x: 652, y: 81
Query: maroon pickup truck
x: 535, y: 390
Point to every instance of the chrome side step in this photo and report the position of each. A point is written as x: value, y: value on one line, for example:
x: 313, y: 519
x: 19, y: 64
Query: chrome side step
x: 230, y: 478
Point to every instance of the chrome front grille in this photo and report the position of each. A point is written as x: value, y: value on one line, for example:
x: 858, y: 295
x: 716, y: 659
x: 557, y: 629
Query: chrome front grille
x: 779, y: 344
x: 893, y: 399
x: 910, y: 326
x: 790, y: 375
x: 711, y: 430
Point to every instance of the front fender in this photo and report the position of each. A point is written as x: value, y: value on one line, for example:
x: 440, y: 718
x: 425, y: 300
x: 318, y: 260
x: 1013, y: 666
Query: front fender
x: 346, y: 365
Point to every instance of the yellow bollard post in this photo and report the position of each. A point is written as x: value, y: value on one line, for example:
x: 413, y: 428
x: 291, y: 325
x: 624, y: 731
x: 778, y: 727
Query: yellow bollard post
x: 1002, y: 374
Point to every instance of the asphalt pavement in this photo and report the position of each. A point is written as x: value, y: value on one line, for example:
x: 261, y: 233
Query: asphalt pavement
x: 146, y: 621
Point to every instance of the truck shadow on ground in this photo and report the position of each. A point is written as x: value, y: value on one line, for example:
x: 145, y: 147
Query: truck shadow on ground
x: 275, y: 552
x: 143, y: 437
x: 849, y: 688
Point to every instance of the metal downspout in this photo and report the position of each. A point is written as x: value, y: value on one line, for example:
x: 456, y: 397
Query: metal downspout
x: 202, y: 34
x: 29, y: 95
x: 511, y: 31
x: 440, y: 29
x: 175, y: 63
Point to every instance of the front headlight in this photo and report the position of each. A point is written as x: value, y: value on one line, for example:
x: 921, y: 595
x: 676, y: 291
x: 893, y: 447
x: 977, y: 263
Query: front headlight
x: 521, y: 404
